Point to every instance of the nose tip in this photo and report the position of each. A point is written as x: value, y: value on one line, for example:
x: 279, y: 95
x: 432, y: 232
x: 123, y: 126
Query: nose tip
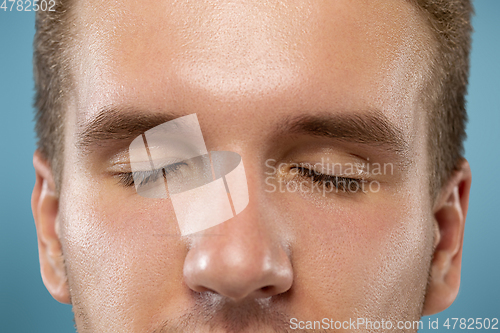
x: 238, y: 270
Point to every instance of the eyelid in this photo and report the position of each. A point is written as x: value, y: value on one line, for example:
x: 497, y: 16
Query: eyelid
x: 356, y: 170
x: 128, y: 179
x: 142, y: 166
x: 342, y: 184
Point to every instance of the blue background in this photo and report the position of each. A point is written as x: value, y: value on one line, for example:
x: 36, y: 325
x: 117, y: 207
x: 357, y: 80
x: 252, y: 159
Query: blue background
x: 25, y: 304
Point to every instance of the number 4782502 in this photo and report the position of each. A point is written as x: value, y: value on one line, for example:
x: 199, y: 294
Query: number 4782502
x: 471, y: 324
x: 28, y: 5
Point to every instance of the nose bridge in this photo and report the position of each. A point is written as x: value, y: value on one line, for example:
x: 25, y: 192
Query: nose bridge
x: 239, y: 258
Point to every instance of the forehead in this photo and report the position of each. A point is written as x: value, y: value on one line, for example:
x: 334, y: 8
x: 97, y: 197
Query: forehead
x: 284, y: 55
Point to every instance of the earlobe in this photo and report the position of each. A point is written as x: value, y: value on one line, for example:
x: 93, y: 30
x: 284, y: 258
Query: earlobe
x: 449, y: 215
x: 45, y: 205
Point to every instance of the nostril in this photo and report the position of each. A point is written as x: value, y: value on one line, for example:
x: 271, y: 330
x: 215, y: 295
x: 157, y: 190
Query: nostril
x: 202, y: 289
x: 267, y: 289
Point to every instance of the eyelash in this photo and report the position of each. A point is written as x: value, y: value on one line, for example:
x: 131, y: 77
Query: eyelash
x: 127, y: 178
x: 340, y: 183
x: 343, y: 184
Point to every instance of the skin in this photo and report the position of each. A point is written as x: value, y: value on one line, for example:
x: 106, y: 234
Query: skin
x: 244, y: 68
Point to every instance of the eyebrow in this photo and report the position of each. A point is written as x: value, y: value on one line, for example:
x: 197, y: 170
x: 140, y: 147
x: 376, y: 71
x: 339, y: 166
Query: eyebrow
x: 368, y: 128
x: 119, y: 124
x: 372, y: 128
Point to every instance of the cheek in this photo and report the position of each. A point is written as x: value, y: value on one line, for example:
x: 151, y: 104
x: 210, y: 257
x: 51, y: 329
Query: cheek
x: 122, y: 252
x: 398, y: 263
x: 368, y: 257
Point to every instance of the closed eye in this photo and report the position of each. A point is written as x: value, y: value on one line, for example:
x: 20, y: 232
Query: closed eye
x: 343, y: 184
x: 142, y: 178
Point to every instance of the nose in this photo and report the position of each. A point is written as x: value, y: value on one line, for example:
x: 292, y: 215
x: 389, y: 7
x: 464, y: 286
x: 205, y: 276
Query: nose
x: 239, y: 259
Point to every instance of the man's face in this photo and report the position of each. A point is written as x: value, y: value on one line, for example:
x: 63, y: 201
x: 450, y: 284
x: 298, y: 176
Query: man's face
x: 297, y: 84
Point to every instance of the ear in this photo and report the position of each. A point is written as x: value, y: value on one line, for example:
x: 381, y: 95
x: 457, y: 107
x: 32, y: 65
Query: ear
x: 449, y: 214
x: 45, y: 205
